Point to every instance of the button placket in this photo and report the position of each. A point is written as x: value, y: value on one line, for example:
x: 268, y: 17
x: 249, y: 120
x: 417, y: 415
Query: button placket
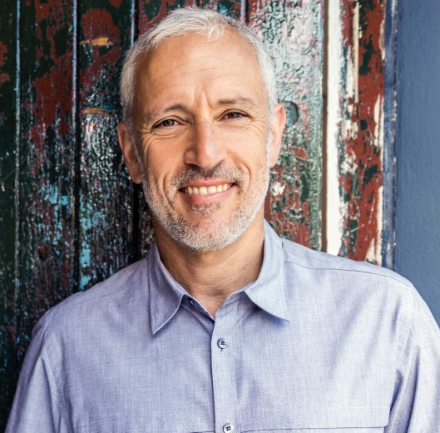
x: 223, y: 370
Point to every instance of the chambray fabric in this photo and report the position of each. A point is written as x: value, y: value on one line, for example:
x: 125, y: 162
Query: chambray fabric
x: 316, y: 344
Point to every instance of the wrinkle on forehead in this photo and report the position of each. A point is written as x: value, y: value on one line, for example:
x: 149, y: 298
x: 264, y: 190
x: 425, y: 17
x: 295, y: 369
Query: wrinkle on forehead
x: 192, y: 64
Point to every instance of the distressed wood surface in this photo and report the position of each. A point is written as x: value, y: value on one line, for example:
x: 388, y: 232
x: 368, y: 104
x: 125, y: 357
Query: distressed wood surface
x: 293, y: 33
x: 360, y: 133
x: 105, y: 195
x: 8, y: 205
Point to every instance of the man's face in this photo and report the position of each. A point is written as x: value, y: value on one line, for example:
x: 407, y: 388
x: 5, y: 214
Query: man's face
x: 202, y: 133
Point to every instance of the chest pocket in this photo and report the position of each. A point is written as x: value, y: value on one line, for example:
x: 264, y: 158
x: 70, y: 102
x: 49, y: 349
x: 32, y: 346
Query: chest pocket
x: 334, y: 420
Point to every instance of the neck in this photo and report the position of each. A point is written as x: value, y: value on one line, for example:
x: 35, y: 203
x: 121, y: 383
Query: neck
x: 210, y: 277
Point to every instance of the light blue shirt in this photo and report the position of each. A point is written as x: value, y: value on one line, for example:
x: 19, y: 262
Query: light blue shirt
x: 317, y: 342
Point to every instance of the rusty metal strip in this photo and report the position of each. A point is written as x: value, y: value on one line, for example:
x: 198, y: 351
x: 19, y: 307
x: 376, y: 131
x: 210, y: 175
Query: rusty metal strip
x: 361, y: 128
x: 293, y: 32
x: 8, y: 206
x: 106, y: 193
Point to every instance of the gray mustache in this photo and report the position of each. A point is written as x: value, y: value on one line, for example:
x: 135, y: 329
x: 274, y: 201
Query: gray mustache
x: 229, y: 174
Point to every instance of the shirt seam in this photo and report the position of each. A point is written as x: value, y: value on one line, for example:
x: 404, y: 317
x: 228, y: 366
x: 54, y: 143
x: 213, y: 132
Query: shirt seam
x: 378, y: 274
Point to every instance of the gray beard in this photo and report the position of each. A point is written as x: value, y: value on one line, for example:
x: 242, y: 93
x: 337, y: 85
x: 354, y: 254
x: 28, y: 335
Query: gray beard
x: 222, y: 231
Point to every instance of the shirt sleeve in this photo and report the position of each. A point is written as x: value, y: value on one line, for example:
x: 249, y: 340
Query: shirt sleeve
x: 36, y: 406
x: 416, y: 402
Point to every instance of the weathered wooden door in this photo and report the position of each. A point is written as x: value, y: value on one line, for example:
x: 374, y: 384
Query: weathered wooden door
x: 70, y: 215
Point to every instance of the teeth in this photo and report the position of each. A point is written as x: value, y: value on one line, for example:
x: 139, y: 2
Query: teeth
x: 203, y: 190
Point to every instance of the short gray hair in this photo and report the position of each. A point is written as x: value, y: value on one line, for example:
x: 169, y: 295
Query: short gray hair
x: 191, y: 20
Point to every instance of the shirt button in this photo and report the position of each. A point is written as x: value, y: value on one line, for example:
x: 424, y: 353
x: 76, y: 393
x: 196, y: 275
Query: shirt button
x: 221, y: 342
x: 191, y: 302
x: 228, y: 428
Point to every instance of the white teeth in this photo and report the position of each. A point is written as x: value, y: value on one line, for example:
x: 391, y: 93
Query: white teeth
x: 203, y: 190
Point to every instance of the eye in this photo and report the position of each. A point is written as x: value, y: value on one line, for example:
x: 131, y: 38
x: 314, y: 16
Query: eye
x: 234, y: 115
x: 167, y: 123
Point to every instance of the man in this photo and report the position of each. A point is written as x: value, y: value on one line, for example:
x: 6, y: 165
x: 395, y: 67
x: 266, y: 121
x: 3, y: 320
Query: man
x: 224, y: 327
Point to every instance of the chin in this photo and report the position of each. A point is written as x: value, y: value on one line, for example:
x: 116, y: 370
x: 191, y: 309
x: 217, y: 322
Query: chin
x: 208, y: 235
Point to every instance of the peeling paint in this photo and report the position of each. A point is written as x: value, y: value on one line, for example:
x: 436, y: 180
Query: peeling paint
x: 102, y: 41
x: 360, y: 125
x: 293, y: 33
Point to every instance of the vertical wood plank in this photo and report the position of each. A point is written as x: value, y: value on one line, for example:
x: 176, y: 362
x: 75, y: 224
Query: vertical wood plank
x: 8, y: 205
x: 293, y: 33
x: 106, y: 193
x: 360, y: 131
x: 235, y: 9
x: 47, y: 149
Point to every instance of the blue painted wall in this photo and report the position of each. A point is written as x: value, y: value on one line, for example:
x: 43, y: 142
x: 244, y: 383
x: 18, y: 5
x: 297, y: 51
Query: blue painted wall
x: 417, y: 218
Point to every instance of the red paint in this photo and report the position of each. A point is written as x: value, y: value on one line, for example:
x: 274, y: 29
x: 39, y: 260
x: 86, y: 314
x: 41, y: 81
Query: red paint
x: 364, y: 201
x: 98, y: 23
x: 4, y: 77
x: 53, y: 91
x: 116, y: 3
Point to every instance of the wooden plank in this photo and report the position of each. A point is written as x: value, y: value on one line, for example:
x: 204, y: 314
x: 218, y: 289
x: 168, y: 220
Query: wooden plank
x: 8, y: 205
x: 236, y: 9
x: 293, y: 33
x: 47, y: 149
x: 360, y: 129
x: 105, y: 193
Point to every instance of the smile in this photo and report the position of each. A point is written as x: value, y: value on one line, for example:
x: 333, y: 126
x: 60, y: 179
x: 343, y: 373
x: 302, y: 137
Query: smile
x: 206, y: 190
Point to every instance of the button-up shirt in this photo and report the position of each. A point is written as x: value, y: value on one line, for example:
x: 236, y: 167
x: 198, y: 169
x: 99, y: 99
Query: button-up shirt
x: 317, y: 342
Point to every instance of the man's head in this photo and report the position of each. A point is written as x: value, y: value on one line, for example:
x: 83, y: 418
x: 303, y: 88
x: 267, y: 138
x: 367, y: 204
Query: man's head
x: 201, y: 126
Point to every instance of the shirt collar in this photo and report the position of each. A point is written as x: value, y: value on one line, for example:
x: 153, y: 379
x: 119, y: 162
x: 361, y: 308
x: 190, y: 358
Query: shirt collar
x: 267, y: 292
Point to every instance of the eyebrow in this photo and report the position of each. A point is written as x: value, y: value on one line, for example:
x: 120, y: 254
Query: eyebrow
x: 239, y: 100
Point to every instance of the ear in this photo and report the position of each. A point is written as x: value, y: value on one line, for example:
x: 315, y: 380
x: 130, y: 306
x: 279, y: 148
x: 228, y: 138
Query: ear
x: 278, y: 122
x: 128, y: 150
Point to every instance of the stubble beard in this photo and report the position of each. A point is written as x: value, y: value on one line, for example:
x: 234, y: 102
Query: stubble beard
x: 213, y: 233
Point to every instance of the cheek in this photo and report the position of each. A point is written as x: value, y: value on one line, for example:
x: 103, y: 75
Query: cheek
x: 162, y: 164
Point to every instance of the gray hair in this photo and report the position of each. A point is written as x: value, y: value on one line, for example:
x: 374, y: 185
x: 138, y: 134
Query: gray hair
x: 191, y: 20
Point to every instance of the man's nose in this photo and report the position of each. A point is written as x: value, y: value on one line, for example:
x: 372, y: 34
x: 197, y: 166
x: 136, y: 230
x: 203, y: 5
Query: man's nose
x: 205, y: 148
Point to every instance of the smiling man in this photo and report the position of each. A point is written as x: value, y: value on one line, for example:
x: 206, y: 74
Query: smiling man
x: 224, y: 327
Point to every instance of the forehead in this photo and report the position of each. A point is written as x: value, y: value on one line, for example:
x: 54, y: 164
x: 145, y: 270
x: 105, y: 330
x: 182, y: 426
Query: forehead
x: 194, y: 63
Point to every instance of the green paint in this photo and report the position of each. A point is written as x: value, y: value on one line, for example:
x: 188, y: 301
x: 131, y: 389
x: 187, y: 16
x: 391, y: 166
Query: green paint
x: 369, y: 173
x: 364, y: 68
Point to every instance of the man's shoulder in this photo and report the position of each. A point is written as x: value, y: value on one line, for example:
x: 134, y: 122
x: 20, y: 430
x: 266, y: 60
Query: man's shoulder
x: 116, y: 291
x: 343, y: 269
